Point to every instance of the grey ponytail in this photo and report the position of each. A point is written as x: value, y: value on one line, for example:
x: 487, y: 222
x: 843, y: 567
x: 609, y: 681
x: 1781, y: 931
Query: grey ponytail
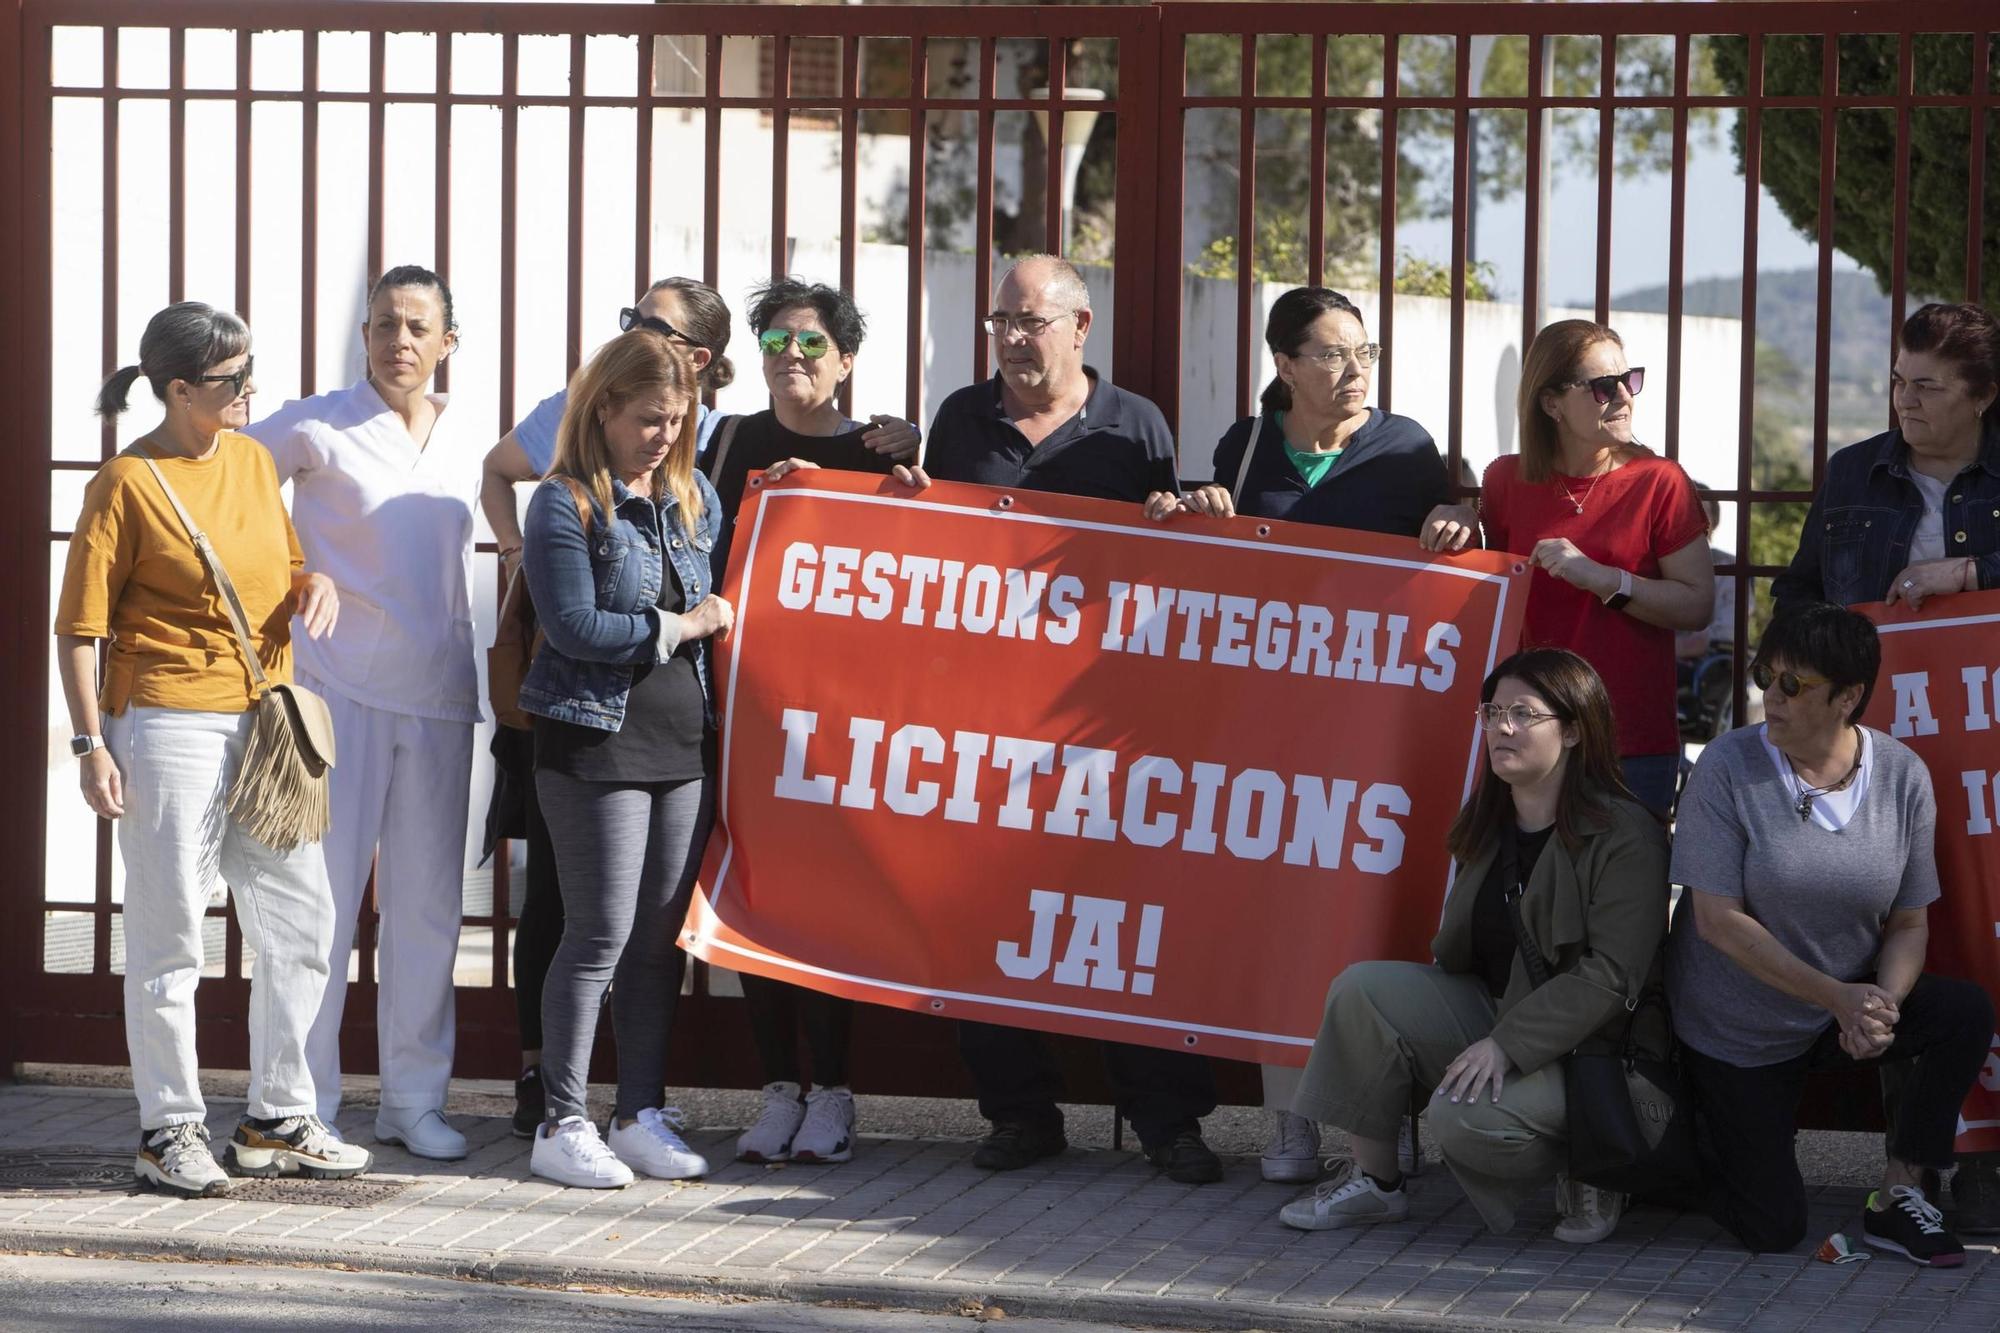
x: 182, y: 342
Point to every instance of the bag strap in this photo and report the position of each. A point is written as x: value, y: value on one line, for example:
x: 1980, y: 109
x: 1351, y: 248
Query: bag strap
x: 1511, y: 891
x: 234, y: 604
x: 1243, y: 468
x: 725, y: 435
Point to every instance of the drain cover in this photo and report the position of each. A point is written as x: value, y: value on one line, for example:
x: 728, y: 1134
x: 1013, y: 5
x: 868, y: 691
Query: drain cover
x: 63, y: 1171
x: 355, y: 1193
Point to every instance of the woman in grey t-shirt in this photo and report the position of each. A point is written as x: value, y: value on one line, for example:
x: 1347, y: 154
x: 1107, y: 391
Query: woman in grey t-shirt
x: 1806, y: 847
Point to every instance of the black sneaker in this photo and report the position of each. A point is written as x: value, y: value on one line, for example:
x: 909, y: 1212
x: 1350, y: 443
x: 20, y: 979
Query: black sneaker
x: 1975, y: 1198
x: 1014, y: 1144
x: 1912, y: 1227
x: 1185, y: 1158
x: 530, y: 1102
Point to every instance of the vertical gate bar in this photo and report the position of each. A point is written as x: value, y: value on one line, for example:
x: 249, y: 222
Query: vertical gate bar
x: 509, y: 138
x: 1053, y: 149
x: 1753, y: 170
x: 850, y: 168
x: 1531, y: 231
x: 982, y: 255
x: 309, y: 214
x: 377, y: 126
x: 1899, y: 295
x: 1975, y: 194
x: 1829, y: 130
x: 1246, y: 216
x: 108, y: 313
x: 573, y: 332
x: 642, y: 201
x: 1136, y: 153
x: 243, y: 123
x: 1386, y: 315
x: 1677, y: 241
x: 1166, y: 145
x: 1607, y: 132
x: 1316, y: 189
x: 1462, y: 186
x: 913, y: 371
x: 441, y: 166
x: 711, y: 196
x: 176, y: 164
x: 781, y: 153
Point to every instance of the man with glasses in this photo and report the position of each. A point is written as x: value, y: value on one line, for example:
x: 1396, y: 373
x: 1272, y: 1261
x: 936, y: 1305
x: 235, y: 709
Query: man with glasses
x: 1048, y: 422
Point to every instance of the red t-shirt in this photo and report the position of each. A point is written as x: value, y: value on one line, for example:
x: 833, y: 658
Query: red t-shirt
x: 1634, y: 515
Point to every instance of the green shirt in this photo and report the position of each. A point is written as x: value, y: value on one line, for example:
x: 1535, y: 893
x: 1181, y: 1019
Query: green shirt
x: 1312, y: 466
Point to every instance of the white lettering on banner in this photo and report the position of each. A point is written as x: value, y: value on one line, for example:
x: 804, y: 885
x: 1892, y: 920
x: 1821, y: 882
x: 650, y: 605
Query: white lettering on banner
x: 1977, y: 786
x: 1978, y: 702
x: 1308, y: 815
x: 1224, y: 628
x: 1913, y: 705
x: 1092, y: 958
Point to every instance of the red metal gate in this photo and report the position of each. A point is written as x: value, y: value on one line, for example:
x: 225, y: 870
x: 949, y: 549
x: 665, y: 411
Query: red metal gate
x: 1394, y: 129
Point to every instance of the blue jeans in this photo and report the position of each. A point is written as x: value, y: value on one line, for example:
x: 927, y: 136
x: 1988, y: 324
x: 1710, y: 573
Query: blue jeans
x: 1653, y: 778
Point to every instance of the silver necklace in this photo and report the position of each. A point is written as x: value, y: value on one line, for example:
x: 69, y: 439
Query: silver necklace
x: 1570, y: 495
x: 1807, y: 794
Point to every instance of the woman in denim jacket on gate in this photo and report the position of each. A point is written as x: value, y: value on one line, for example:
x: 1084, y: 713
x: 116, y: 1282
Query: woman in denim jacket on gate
x: 616, y: 555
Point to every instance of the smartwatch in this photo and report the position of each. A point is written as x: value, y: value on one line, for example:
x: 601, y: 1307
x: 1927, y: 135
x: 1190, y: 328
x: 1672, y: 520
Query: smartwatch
x: 83, y: 745
x: 1616, y: 601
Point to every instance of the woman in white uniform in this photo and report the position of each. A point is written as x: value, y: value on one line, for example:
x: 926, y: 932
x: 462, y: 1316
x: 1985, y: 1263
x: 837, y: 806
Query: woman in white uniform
x: 382, y: 497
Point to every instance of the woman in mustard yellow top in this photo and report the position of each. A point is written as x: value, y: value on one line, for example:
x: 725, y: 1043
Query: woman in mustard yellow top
x: 175, y: 710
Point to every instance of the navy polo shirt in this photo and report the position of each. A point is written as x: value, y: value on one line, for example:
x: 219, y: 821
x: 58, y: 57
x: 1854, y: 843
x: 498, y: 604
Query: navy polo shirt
x: 1117, y: 447
x: 1387, y: 479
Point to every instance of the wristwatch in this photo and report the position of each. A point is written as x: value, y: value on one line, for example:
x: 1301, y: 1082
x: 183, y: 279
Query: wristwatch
x: 1616, y: 601
x: 83, y: 745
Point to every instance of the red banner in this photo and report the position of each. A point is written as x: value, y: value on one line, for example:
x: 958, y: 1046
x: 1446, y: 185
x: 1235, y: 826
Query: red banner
x: 1035, y: 760
x: 1939, y: 694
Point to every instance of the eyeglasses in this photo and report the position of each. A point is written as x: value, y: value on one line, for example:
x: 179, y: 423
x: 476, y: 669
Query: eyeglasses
x: 1605, y: 387
x: 1028, y: 326
x: 812, y: 343
x: 1790, y: 682
x: 235, y: 379
x: 1363, y: 354
x: 1517, y: 716
x: 629, y: 318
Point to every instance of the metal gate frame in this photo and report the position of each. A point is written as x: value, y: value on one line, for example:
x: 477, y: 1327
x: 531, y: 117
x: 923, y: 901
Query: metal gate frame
x: 78, y: 1017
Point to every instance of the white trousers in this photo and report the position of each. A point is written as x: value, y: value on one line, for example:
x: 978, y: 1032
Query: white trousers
x: 401, y: 785
x: 179, y: 842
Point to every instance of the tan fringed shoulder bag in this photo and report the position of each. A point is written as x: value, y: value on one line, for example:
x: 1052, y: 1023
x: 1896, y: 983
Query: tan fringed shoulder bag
x: 280, y: 794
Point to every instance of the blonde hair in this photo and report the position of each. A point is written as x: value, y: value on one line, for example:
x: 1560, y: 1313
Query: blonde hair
x: 631, y: 365
x: 1551, y: 361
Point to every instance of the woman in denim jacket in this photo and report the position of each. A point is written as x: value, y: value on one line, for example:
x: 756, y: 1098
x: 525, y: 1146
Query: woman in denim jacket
x: 617, y: 560
x: 1914, y: 512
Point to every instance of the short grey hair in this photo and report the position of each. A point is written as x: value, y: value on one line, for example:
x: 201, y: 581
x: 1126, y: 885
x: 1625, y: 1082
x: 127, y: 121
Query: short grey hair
x: 1065, y: 284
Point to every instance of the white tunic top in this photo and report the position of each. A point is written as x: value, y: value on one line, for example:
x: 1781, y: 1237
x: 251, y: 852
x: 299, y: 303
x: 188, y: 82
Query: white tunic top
x: 391, y: 525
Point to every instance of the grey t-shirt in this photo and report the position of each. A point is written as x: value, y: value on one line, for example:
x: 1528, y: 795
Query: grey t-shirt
x: 1822, y: 894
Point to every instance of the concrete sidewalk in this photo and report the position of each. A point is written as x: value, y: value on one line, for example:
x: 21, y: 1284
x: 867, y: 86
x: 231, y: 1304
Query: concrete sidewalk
x: 909, y: 1224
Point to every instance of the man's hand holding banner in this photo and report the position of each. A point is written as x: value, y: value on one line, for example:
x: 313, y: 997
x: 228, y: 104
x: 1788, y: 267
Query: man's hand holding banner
x: 1035, y: 760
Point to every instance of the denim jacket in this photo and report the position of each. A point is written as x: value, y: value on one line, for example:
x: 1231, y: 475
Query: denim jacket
x: 1857, y: 535
x: 597, y: 599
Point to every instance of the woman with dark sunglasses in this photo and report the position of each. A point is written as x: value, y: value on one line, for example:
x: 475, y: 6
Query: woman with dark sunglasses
x: 1805, y: 847
x: 1317, y: 453
x: 1616, y: 534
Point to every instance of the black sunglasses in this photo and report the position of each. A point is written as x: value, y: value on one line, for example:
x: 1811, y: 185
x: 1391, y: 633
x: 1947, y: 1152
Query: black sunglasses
x: 235, y: 379
x: 1605, y: 387
x: 629, y: 318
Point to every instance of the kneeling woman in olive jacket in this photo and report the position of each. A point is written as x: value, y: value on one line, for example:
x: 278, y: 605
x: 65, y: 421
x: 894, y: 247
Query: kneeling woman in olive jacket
x: 1552, y: 824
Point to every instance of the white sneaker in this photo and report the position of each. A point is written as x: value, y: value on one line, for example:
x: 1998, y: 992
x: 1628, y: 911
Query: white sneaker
x: 423, y: 1132
x: 1292, y: 1155
x: 1588, y: 1214
x: 570, y: 1153
x: 294, y: 1145
x: 177, y: 1159
x: 828, y: 1132
x: 1346, y: 1199
x: 652, y: 1144
x: 770, y: 1139
x: 1408, y: 1159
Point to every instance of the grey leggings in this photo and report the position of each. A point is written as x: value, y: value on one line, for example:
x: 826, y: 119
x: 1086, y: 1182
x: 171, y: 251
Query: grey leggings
x: 626, y: 857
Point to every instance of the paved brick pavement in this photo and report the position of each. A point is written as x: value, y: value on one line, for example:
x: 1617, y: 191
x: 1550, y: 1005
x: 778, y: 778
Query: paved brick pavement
x: 909, y: 1223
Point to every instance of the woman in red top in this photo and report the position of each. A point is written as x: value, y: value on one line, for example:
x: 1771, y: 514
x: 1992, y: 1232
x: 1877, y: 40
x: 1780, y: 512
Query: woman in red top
x: 1616, y: 533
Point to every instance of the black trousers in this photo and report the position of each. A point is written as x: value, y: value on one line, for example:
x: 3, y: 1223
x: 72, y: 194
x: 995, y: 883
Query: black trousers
x: 1161, y: 1092
x: 1749, y: 1117
x: 777, y: 1009
x: 540, y: 927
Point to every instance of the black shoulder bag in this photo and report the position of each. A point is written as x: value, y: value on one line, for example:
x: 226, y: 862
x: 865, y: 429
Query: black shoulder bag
x: 1631, y: 1124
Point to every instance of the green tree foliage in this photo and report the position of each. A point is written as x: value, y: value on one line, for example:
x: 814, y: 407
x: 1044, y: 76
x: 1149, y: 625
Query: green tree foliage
x: 1864, y: 194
